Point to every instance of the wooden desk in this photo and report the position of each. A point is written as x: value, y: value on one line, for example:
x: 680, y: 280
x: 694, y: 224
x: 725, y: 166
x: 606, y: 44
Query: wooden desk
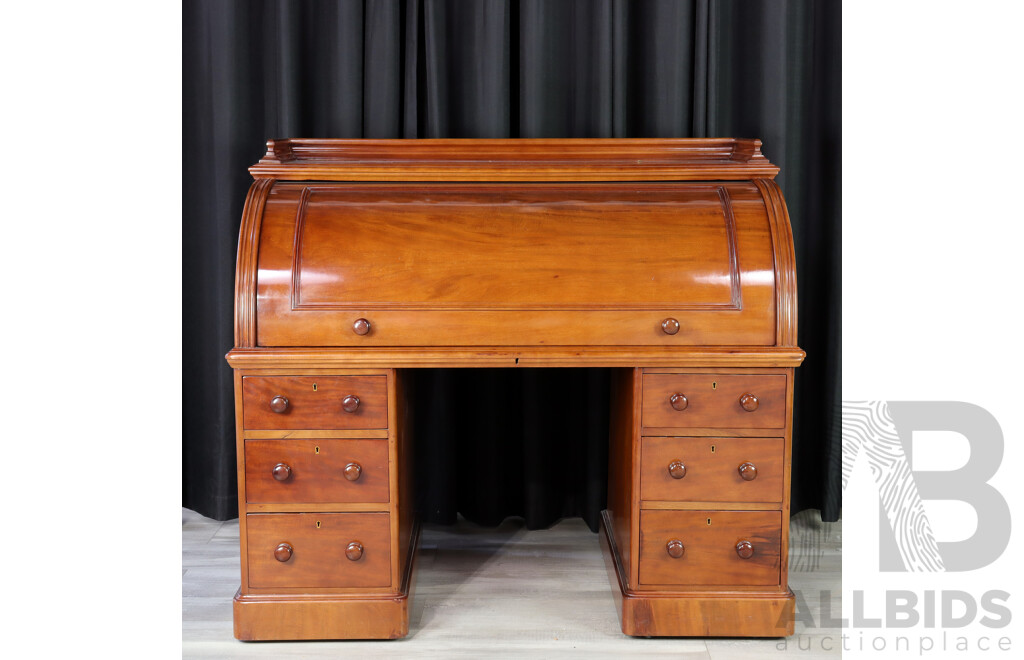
x: 669, y: 260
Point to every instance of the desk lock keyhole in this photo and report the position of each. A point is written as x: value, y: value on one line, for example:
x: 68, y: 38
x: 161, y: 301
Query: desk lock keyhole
x: 318, y: 523
x: 714, y: 385
x: 316, y: 450
x: 709, y: 521
x: 712, y: 449
x: 314, y: 387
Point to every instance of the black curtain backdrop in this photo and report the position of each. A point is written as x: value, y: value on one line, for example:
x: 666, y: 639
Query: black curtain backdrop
x: 491, y: 444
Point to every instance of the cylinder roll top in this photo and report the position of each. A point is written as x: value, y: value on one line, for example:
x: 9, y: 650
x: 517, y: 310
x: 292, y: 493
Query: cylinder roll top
x: 690, y: 246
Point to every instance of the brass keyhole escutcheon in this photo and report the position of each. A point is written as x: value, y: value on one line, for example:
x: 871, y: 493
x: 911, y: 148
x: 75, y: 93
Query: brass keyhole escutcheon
x: 712, y: 449
x: 314, y: 387
x: 714, y: 385
x: 316, y: 450
x: 709, y: 521
x: 318, y: 524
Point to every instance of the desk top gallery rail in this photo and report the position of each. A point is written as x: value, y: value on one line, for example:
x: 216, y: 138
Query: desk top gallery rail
x: 515, y: 252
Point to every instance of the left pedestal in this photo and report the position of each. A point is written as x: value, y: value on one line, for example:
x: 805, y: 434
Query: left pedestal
x: 327, y: 530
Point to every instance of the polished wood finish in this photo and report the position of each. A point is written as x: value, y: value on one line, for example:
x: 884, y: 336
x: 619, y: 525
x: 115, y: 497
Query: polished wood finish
x: 670, y: 261
x: 283, y: 552
x: 528, y: 160
x: 698, y: 505
x: 364, y: 614
x: 319, y: 542
x: 510, y: 248
x: 748, y: 471
x: 712, y: 555
x: 275, y: 434
x: 281, y: 472
x: 785, y: 261
x: 353, y: 471
x: 361, y: 327
x: 402, y: 455
x: 268, y: 618
x: 623, y: 469
x: 715, y: 400
x: 305, y: 359
x: 327, y: 470
x: 320, y: 407
x: 515, y: 265
x: 698, y: 614
x: 713, y: 469
x: 245, y: 267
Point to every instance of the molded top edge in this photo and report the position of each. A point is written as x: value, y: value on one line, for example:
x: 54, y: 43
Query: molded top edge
x: 557, y: 159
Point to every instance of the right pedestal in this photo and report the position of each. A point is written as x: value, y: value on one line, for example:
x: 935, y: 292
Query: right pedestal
x: 696, y: 531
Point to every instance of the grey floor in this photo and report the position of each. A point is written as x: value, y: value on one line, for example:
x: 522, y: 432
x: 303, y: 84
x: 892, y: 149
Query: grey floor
x: 506, y: 591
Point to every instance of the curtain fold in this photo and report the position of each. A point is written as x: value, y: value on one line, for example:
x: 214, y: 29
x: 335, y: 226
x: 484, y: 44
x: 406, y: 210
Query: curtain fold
x: 500, y: 442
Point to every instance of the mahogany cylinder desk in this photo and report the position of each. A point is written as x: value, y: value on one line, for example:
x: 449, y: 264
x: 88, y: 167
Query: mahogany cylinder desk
x: 669, y: 261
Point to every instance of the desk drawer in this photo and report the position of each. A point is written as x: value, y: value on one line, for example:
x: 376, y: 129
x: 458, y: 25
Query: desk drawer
x: 712, y: 469
x: 710, y: 554
x: 328, y: 470
x: 714, y: 401
x: 315, y: 402
x: 325, y: 550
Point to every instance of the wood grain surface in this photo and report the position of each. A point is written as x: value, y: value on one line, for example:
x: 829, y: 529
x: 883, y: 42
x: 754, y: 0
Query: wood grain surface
x: 696, y: 614
x: 712, y: 469
x: 494, y: 264
x: 650, y: 256
x: 310, y: 408
x: 529, y: 160
x: 317, y: 470
x: 623, y: 508
x: 714, y: 400
x: 710, y: 549
x: 314, y: 359
x: 319, y: 551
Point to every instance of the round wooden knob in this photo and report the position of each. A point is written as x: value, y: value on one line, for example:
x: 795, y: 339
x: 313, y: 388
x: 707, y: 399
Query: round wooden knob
x: 350, y: 403
x: 670, y: 326
x: 748, y: 471
x: 679, y: 401
x: 745, y: 549
x: 353, y: 471
x: 282, y: 471
x: 361, y: 327
x: 279, y: 404
x: 677, y: 469
x: 354, y: 551
x: 283, y: 552
x: 749, y: 402
x: 675, y: 548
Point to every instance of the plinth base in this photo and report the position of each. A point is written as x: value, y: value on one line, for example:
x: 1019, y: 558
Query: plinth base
x: 733, y: 614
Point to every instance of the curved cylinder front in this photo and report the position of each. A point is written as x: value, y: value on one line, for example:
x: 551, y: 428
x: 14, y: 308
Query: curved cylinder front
x: 508, y: 264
